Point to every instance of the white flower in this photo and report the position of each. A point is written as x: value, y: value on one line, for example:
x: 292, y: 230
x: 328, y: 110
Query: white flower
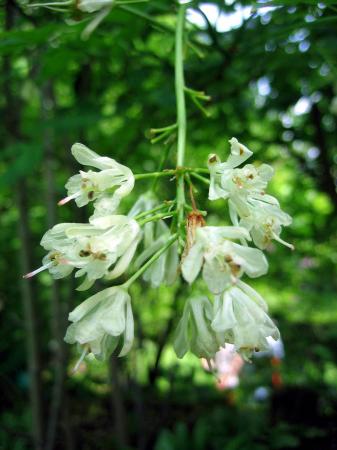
x: 229, y: 182
x: 102, y: 321
x: 223, y: 261
x: 245, y: 189
x: 194, y: 330
x: 265, y: 222
x: 92, y: 248
x: 221, y: 173
x: 56, y: 241
x: 107, y: 241
x: 241, y: 314
x: 106, y: 188
x: 93, y: 5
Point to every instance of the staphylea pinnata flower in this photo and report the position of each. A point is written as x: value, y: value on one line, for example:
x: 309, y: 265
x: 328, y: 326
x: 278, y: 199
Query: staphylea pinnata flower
x: 250, y: 206
x: 265, y: 222
x: 104, y: 247
x: 56, y: 242
x: 105, y: 187
x: 102, y: 323
x: 241, y: 314
x: 194, y: 332
x: 221, y: 260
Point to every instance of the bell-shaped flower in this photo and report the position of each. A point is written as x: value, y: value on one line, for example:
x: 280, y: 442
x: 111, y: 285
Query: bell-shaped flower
x: 221, y: 260
x: 105, y: 247
x: 165, y: 269
x: 241, y: 314
x: 106, y: 187
x: 56, y: 242
x: 221, y: 173
x: 265, y: 222
x: 194, y: 331
x: 102, y: 322
x: 238, y: 185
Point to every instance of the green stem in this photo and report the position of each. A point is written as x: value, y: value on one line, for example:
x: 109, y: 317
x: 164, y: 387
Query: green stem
x: 200, y: 178
x: 154, y: 258
x: 156, y: 217
x: 197, y: 170
x: 160, y: 137
x: 147, y: 17
x: 189, y: 208
x: 157, y: 208
x: 161, y: 130
x: 161, y: 166
x: 181, y: 112
x: 165, y: 173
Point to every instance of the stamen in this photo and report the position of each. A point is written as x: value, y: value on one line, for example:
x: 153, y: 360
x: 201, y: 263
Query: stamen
x: 69, y: 198
x: 277, y: 238
x: 40, y: 269
x: 81, y: 358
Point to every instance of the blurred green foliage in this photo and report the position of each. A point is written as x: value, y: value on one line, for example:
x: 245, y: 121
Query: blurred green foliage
x: 271, y: 74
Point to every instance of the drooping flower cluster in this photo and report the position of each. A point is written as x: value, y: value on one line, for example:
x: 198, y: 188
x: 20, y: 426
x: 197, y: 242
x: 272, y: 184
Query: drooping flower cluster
x: 105, y: 247
x: 102, y: 248
x: 238, y: 314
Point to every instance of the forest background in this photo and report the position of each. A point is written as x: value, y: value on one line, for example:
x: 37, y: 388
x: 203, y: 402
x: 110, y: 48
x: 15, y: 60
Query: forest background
x: 270, y: 69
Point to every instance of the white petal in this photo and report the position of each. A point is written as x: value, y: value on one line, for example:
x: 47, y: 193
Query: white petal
x: 253, y: 294
x: 85, y: 285
x: 224, y: 317
x: 124, y: 262
x: 209, y: 233
x: 109, y: 221
x: 92, y: 6
x: 172, y: 266
x: 192, y: 263
x: 156, y: 272
x: 105, y: 205
x: 239, y: 153
x: 86, y: 306
x: 254, y: 263
x: 181, y: 343
x: 215, y: 275
x: 266, y: 172
x: 112, y: 314
x: 87, y: 157
x: 129, y: 330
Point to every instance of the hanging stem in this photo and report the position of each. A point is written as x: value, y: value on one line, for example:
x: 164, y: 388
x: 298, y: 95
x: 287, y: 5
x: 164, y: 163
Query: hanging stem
x: 156, y: 217
x: 181, y: 112
x: 164, y: 205
x: 200, y: 178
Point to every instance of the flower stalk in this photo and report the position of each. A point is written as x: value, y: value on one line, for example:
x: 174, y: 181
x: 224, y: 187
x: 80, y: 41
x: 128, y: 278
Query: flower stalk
x: 156, y: 217
x: 181, y: 113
